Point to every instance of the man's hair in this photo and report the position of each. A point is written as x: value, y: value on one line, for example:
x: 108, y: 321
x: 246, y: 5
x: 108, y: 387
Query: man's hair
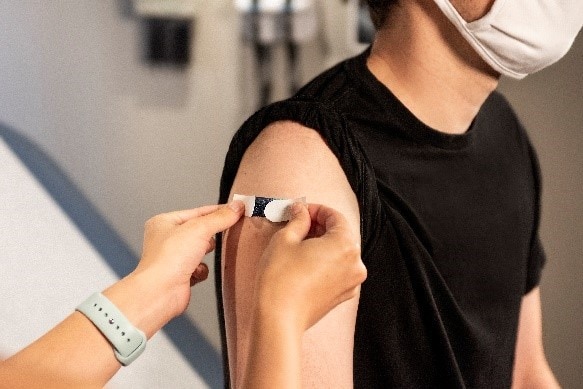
x: 379, y: 9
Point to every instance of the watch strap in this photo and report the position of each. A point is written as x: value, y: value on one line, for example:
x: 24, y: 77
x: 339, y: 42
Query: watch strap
x: 128, y: 342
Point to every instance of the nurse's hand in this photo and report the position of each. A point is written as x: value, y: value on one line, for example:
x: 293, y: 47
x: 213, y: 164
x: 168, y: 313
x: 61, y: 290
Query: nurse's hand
x: 75, y: 353
x: 175, y: 244
x: 309, y: 267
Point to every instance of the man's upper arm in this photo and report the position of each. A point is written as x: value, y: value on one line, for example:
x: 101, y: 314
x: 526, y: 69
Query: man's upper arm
x: 531, y: 369
x: 288, y: 160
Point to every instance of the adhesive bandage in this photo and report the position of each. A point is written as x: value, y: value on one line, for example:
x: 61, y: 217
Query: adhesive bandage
x: 273, y: 209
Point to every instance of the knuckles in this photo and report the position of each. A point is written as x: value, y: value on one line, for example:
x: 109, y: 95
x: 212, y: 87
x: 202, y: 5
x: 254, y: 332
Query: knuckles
x: 352, y: 257
x: 153, y: 223
x: 284, y: 236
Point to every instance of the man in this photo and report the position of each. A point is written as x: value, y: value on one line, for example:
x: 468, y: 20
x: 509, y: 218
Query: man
x: 439, y: 181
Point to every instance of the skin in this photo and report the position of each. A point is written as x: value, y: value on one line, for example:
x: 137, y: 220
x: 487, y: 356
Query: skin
x: 275, y: 353
x: 155, y: 292
x: 472, y: 10
x: 75, y: 354
x: 531, y: 369
x: 445, y: 93
x: 280, y: 164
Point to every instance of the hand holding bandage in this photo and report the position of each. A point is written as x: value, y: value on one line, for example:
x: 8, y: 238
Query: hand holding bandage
x: 316, y: 261
x: 309, y: 267
x: 273, y: 209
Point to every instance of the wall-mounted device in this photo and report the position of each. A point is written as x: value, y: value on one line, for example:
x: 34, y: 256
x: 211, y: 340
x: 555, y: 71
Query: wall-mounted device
x: 266, y: 23
x: 265, y: 20
x: 168, y: 29
x: 360, y: 28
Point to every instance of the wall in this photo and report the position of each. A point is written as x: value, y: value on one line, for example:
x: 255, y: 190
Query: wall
x: 550, y: 105
x: 137, y: 139
x: 140, y: 140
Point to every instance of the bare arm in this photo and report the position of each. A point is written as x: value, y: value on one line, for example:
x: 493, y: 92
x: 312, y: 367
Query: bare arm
x: 294, y: 276
x: 75, y: 353
x: 531, y: 369
x: 288, y: 160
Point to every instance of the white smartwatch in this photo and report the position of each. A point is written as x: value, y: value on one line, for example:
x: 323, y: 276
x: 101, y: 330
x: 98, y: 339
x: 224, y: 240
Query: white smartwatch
x: 128, y: 342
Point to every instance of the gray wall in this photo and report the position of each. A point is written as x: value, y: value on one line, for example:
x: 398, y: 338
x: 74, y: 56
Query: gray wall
x: 140, y: 140
x: 550, y: 105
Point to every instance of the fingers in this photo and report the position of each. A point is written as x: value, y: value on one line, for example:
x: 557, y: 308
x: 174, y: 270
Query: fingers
x: 218, y: 220
x: 337, y: 234
x: 182, y: 216
x: 326, y: 220
x: 211, y: 245
x: 200, y: 274
x: 299, y: 225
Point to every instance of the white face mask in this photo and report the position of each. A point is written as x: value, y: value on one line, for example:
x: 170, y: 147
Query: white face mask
x: 520, y: 37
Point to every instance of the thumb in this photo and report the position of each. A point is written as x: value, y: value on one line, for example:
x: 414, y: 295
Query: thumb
x: 298, y: 226
x: 219, y: 220
x: 327, y: 221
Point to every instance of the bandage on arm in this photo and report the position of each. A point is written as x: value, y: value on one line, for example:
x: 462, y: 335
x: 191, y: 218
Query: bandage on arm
x: 276, y: 210
x: 287, y: 161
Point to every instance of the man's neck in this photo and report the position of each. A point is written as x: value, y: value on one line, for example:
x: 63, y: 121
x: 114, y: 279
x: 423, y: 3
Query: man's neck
x: 430, y: 68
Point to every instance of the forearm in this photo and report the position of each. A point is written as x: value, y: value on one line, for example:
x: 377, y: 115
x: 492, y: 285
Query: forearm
x: 535, y: 374
x: 538, y: 375
x: 75, y: 353
x: 531, y: 369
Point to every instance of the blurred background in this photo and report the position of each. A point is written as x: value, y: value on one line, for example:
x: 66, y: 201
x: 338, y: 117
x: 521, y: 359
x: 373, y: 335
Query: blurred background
x: 136, y: 103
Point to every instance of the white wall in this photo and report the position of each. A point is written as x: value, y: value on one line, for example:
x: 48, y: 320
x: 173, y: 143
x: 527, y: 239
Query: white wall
x: 140, y: 140
x: 137, y: 139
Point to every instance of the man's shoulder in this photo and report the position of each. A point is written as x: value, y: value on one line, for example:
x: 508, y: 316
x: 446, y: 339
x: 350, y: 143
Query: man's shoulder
x: 290, y: 160
x: 497, y: 116
x: 287, y: 141
x: 330, y: 85
x: 498, y: 107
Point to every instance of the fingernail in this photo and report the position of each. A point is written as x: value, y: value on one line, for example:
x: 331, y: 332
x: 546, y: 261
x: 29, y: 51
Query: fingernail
x: 236, y: 206
x: 296, y: 208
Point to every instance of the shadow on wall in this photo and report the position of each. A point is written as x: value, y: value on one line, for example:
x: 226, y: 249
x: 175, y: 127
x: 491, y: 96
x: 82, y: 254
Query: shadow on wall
x: 184, y: 334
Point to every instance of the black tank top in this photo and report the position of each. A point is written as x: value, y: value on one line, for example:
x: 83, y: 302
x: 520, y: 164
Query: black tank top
x: 449, y: 227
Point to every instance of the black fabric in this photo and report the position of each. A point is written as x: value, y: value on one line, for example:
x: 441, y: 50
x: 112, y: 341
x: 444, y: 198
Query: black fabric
x: 449, y: 227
